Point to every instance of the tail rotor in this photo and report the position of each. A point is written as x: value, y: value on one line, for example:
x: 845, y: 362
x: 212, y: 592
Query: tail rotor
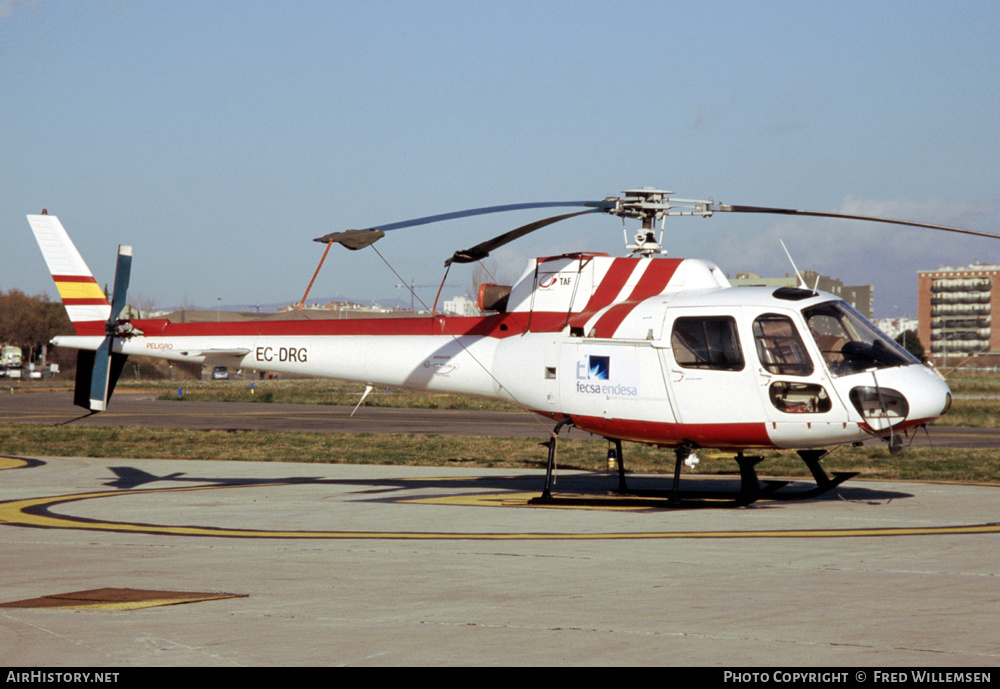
x: 106, y: 362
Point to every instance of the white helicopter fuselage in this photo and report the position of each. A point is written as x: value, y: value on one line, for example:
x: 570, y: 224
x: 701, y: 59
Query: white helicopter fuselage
x: 654, y: 350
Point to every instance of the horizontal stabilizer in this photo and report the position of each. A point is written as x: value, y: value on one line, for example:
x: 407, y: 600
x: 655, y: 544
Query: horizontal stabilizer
x: 89, y: 342
x: 239, y: 352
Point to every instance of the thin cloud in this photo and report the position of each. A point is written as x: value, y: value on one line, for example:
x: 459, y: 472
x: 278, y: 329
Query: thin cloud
x: 9, y: 7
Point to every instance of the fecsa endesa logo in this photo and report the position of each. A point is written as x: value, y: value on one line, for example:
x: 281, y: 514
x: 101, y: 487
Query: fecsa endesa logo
x: 593, y: 368
x: 593, y: 377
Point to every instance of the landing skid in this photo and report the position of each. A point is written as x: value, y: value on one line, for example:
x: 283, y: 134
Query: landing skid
x: 550, y: 467
x: 751, y: 487
x: 824, y: 482
x: 751, y: 490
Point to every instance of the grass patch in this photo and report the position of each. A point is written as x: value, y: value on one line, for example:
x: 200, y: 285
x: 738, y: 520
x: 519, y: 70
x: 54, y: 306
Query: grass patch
x: 316, y: 391
x: 973, y: 413
x: 961, y: 384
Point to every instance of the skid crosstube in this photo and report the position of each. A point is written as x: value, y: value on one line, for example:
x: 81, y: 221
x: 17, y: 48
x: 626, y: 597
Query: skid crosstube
x: 751, y: 490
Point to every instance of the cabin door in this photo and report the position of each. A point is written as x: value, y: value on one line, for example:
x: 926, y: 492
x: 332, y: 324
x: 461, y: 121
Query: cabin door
x: 706, y: 368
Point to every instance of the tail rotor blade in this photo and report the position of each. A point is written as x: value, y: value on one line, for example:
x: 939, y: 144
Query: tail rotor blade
x: 123, y: 270
x: 101, y: 374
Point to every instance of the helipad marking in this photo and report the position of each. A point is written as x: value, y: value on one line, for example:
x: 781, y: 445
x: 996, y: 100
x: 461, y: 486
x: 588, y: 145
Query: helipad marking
x: 12, y: 463
x: 34, y: 512
x: 117, y: 599
x: 18, y: 462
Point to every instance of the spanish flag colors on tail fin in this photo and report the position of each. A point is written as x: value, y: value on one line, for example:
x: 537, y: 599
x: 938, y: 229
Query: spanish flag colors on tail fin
x: 85, y: 303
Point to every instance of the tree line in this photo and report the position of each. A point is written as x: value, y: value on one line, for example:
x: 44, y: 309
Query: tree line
x: 29, y: 322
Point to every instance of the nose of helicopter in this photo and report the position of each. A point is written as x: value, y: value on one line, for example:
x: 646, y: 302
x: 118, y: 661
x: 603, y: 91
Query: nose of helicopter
x: 928, y: 394
x: 901, y: 397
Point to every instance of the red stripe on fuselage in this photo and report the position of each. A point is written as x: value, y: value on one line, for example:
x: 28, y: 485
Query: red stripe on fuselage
x: 610, y: 286
x: 88, y: 327
x: 653, y: 282
x: 498, y: 326
x: 716, y: 435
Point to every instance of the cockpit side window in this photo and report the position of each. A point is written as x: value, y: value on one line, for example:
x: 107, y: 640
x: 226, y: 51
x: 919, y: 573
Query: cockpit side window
x: 830, y: 335
x: 779, y: 347
x: 850, y: 343
x: 710, y: 342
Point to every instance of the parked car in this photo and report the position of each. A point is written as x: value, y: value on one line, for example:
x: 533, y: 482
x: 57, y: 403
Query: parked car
x: 220, y: 373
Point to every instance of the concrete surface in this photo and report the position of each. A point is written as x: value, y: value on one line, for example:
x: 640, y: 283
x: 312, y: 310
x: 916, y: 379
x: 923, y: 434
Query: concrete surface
x: 340, y: 566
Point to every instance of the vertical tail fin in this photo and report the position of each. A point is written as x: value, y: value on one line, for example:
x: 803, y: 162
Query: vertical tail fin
x: 88, y: 309
x: 85, y: 303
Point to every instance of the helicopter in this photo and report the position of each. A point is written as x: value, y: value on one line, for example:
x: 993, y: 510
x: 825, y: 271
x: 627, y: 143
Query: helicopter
x: 643, y: 348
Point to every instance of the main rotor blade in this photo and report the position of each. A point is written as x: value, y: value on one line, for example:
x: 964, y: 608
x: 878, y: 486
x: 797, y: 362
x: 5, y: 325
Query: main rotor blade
x: 726, y: 208
x: 352, y: 239
x: 482, y: 250
x: 600, y: 205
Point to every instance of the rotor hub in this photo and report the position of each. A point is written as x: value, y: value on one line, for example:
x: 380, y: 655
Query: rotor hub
x: 648, y: 205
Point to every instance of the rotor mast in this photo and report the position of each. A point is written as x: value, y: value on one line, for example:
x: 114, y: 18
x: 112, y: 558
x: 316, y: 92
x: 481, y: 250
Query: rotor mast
x: 649, y: 205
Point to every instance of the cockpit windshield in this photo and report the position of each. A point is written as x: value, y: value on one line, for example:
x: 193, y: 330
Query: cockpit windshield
x: 850, y: 343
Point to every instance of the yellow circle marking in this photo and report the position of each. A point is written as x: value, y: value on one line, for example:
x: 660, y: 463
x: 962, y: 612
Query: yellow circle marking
x: 128, y: 605
x: 35, y: 512
x: 13, y: 463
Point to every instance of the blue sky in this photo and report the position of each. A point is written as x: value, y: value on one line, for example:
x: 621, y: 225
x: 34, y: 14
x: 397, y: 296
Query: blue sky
x: 220, y: 138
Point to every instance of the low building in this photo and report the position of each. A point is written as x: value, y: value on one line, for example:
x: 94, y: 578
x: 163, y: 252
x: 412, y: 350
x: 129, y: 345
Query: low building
x: 461, y: 306
x: 861, y: 297
x: 894, y: 327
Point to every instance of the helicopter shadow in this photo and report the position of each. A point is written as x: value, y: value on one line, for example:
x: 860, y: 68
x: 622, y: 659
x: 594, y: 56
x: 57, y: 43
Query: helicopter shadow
x: 700, y: 492
x: 596, y: 489
x: 129, y: 478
